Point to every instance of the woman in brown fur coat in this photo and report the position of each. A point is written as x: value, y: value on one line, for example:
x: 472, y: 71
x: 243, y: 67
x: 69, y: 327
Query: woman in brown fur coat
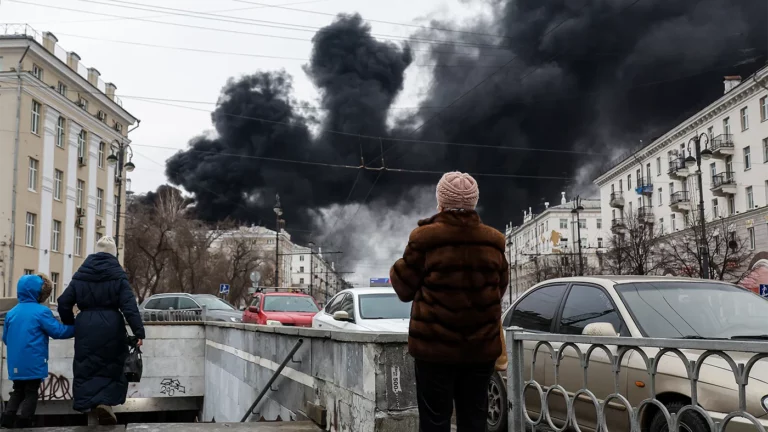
x: 455, y: 272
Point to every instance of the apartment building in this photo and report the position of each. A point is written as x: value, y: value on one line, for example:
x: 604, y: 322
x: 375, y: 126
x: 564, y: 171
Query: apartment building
x: 58, y: 194
x: 315, y: 272
x: 553, y: 234
x: 656, y: 185
x: 264, y: 242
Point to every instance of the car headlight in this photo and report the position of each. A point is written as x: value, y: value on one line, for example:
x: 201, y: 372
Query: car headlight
x: 235, y: 320
x: 274, y: 323
x: 764, y: 403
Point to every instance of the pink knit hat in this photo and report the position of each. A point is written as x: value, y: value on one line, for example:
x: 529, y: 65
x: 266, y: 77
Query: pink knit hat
x: 457, y: 190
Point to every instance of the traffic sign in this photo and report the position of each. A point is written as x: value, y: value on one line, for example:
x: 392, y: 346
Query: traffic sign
x: 223, y: 289
x: 764, y: 290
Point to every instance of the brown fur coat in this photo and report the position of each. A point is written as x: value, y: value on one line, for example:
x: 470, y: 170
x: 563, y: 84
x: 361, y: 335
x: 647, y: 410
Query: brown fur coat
x: 455, y: 272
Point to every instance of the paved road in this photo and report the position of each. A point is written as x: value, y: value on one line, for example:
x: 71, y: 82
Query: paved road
x: 191, y: 427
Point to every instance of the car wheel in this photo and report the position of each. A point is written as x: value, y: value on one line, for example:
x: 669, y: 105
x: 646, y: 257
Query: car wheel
x: 691, y: 422
x: 497, y: 404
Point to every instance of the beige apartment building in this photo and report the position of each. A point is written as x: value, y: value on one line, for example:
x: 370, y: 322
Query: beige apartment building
x: 58, y: 123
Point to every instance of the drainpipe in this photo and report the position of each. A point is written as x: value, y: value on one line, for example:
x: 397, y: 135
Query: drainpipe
x: 15, y: 173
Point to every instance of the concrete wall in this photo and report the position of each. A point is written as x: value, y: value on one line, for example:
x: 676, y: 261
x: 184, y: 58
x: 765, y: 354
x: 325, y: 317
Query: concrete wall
x: 173, y: 369
x: 356, y: 377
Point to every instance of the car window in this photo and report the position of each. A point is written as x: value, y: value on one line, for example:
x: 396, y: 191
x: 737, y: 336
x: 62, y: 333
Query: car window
x: 162, y: 303
x: 585, y: 305
x: 289, y: 304
x: 187, y: 303
x: 347, y: 305
x: 256, y: 301
x: 383, y: 306
x: 537, y: 309
x: 334, y: 304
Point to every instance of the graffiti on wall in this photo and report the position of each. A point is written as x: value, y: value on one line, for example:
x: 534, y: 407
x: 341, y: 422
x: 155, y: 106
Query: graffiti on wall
x: 170, y: 386
x: 55, y: 387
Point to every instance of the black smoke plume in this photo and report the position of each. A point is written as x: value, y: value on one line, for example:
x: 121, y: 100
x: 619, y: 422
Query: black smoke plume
x: 587, y: 75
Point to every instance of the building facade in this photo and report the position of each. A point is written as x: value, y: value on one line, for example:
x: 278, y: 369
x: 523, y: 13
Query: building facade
x: 58, y: 193
x: 655, y: 185
x: 547, y: 243
x: 314, y: 272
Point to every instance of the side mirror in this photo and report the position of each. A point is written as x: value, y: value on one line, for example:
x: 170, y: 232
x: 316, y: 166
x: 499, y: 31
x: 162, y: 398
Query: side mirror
x: 600, y: 329
x: 341, y: 316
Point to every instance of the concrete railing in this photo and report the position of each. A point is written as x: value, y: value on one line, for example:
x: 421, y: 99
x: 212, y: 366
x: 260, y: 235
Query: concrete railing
x: 620, y: 383
x: 346, y: 380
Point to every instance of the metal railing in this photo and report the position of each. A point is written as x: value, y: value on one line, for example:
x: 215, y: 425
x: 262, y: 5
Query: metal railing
x: 192, y: 315
x: 722, y: 141
x: 645, y: 212
x: 622, y: 360
x: 617, y: 223
x: 676, y: 164
x: 723, y: 178
x: 679, y: 197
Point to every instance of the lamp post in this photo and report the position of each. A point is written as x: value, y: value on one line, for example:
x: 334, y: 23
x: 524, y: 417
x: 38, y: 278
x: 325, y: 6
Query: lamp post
x: 691, y: 162
x: 577, y: 207
x: 311, y: 270
x: 116, y: 159
x: 509, y: 261
x: 278, y: 212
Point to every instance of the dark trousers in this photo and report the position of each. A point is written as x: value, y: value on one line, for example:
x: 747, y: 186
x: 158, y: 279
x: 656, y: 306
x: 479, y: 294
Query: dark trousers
x: 438, y: 386
x: 22, y: 404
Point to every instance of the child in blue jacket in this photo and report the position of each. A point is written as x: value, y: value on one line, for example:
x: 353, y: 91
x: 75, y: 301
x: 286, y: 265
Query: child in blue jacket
x: 25, y: 332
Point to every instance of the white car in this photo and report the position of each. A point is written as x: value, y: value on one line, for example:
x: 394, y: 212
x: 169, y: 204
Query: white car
x: 366, y: 310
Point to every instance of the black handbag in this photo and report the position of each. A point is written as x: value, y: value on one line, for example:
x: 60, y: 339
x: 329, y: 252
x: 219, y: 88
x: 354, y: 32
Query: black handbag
x: 133, y: 363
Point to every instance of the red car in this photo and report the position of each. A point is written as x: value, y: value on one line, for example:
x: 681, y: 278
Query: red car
x: 276, y: 308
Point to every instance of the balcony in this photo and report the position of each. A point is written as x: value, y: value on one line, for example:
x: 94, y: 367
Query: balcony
x: 617, y: 200
x: 680, y: 201
x: 677, y: 168
x: 724, y: 184
x: 644, y: 187
x: 618, y: 226
x: 645, y: 215
x: 722, y: 145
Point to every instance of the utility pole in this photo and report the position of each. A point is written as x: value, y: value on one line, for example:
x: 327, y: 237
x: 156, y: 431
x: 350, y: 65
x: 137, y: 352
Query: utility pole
x: 577, y: 207
x: 279, y: 212
x: 509, y: 261
x: 311, y: 270
x: 690, y: 162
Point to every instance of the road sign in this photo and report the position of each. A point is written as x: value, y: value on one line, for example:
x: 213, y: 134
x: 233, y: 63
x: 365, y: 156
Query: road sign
x: 764, y: 290
x: 223, y: 289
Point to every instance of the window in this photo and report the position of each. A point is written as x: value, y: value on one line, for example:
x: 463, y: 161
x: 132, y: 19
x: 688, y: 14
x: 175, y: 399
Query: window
x: 102, y: 146
x: 747, y: 159
x: 60, y: 124
x: 731, y: 205
x: 729, y: 165
x: 629, y: 182
x: 661, y: 225
x: 36, y: 107
x: 62, y: 88
x: 600, y: 242
x: 83, y: 103
x: 715, y: 209
x: 99, y: 202
x: 537, y: 310
x: 712, y: 171
x: 586, y: 305
x: 81, y: 144
x: 727, y: 126
x: 639, y: 178
x: 29, y: 232
x: 648, y: 175
x: 78, y: 241
x: 187, y: 304
x: 347, y: 305
x: 658, y: 166
x: 621, y: 185
x: 661, y: 198
x: 55, y: 291
x: 32, y: 180
x: 671, y: 188
x: 58, y: 180
x: 563, y: 223
x: 301, y: 281
x: 751, y: 235
x: 583, y: 223
x: 162, y: 303
x: 301, y: 257
x: 750, y: 198
x: 37, y: 71
x: 80, y: 189
x: 599, y: 224
x: 765, y: 150
x: 674, y: 222
x: 764, y: 108
x: 711, y: 134
x: 301, y: 269
x: 28, y: 272
x: 56, y: 236
x: 716, y: 240
x: 613, y: 188
x: 584, y: 243
x: 744, y: 119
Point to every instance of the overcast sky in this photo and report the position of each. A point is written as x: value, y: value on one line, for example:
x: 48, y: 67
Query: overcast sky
x: 141, y: 71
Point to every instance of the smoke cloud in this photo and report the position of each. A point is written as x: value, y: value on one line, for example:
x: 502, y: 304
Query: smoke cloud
x: 591, y: 76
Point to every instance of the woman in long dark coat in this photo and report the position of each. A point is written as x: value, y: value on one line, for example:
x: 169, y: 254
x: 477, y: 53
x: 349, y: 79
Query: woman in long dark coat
x: 101, y: 292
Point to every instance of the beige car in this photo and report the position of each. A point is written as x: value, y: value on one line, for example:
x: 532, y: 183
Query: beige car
x: 639, y: 307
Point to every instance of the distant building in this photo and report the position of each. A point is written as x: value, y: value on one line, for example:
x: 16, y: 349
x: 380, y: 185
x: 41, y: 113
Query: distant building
x: 66, y: 191
x: 266, y: 241
x: 314, y: 272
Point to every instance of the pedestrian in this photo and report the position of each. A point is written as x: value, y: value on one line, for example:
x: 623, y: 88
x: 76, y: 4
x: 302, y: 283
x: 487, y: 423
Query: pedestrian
x: 455, y: 272
x: 26, y: 331
x: 103, y: 296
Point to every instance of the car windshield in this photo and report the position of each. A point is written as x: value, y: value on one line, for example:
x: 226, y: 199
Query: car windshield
x: 383, y: 306
x: 212, y: 303
x: 694, y: 309
x: 289, y: 304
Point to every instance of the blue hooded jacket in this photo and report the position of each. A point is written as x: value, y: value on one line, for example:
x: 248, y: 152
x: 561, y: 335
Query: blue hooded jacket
x: 27, y: 329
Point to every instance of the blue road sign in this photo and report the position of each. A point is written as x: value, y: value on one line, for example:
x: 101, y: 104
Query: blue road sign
x: 764, y: 290
x: 379, y: 280
x: 223, y: 289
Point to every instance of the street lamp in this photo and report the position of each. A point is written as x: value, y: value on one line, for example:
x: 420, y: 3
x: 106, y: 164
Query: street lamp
x: 311, y: 269
x: 577, y: 207
x: 116, y: 159
x: 279, y: 212
x: 690, y: 162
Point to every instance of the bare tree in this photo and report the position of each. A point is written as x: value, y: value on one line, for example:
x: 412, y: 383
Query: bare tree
x: 237, y: 258
x: 729, y: 253
x: 633, y: 248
